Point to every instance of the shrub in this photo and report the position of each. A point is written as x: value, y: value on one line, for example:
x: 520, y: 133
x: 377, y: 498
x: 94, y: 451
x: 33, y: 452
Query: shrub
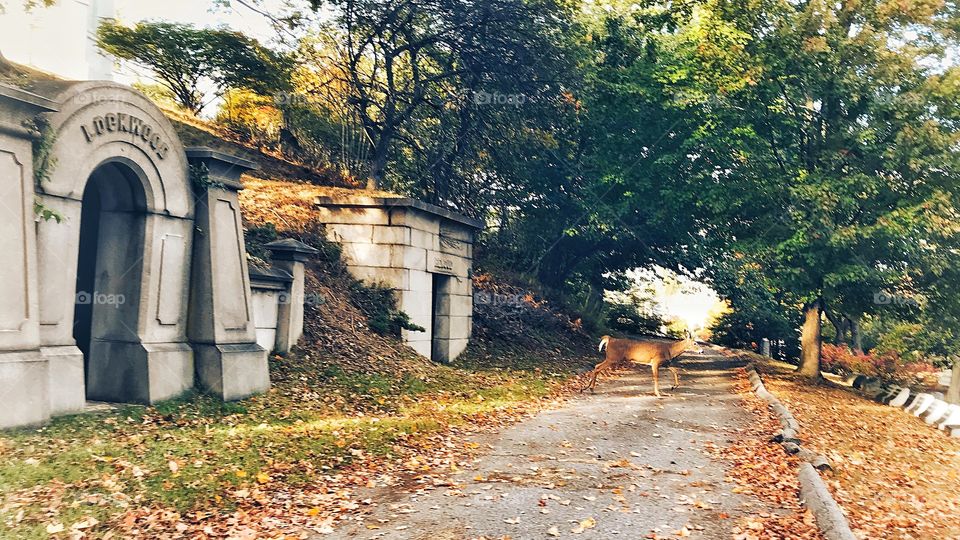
x: 379, y: 304
x: 628, y: 318
x: 889, y: 365
x: 256, y: 237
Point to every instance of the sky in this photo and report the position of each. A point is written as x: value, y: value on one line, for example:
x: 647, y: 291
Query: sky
x: 673, y: 296
x: 58, y: 39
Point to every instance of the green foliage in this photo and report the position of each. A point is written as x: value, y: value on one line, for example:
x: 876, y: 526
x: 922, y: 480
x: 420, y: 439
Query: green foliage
x: 157, y: 93
x: 200, y: 178
x: 252, y: 115
x: 45, y: 213
x: 256, y: 237
x: 786, y: 153
x: 44, y: 161
x: 409, y: 73
x: 185, y: 59
x: 379, y: 304
x: 628, y: 318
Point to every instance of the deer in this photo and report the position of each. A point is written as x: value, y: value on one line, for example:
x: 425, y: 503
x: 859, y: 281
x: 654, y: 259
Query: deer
x: 656, y: 354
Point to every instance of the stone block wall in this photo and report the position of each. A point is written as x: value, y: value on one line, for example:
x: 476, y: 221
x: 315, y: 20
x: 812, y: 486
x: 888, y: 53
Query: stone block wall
x: 423, y: 252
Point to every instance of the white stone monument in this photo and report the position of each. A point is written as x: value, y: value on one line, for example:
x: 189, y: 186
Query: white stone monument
x: 901, y: 398
x: 935, y: 411
x: 952, y: 417
x: 920, y: 404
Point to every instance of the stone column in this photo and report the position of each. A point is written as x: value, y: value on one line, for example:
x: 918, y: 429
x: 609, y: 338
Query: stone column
x: 765, y: 347
x: 221, y: 328
x: 290, y: 255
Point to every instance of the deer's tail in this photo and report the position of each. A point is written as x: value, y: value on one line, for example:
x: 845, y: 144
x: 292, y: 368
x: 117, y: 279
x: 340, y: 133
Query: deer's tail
x: 603, y: 343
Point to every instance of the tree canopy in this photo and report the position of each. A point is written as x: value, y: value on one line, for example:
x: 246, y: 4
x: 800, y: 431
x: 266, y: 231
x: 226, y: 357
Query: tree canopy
x: 798, y: 156
x: 195, y: 62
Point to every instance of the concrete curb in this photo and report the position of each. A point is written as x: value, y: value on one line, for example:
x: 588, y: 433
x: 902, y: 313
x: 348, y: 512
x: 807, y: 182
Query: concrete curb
x: 789, y: 434
x: 813, y: 491
x: 816, y: 497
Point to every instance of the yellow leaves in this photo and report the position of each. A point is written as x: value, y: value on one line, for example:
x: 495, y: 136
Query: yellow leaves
x: 263, y: 477
x: 313, y: 512
x: 241, y: 474
x: 588, y: 523
x: 816, y: 44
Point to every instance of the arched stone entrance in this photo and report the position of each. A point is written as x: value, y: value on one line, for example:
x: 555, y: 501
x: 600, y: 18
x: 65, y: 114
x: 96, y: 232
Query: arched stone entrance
x: 140, y: 286
x: 113, y: 147
x: 108, y: 293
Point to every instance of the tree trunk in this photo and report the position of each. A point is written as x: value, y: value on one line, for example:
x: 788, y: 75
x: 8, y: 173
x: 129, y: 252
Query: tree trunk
x: 839, y: 326
x: 810, y: 340
x: 953, y: 393
x: 855, y: 337
x: 378, y: 164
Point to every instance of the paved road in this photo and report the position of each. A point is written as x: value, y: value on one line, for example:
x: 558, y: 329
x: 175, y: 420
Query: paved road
x: 616, y: 464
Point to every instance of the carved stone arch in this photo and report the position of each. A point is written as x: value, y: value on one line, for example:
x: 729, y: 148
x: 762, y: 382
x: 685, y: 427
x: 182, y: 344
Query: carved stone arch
x: 100, y: 121
x: 114, y: 151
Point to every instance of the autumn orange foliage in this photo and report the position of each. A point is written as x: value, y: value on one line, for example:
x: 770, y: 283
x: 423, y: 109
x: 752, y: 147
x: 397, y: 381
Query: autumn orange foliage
x: 894, y: 476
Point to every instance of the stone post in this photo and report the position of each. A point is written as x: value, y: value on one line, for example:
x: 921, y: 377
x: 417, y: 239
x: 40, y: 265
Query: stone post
x: 765, y: 347
x: 953, y: 391
x: 290, y: 255
x: 221, y: 329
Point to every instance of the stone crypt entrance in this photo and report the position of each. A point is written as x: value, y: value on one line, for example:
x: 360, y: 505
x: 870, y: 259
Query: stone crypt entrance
x: 109, y: 267
x: 139, y: 289
x: 421, y: 251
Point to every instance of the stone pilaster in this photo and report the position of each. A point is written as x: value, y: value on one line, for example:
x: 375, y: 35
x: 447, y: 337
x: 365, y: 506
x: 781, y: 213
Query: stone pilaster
x: 221, y: 329
x: 290, y: 255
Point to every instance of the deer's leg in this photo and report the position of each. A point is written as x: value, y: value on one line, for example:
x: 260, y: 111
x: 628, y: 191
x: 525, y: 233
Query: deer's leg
x: 656, y: 379
x: 676, y: 377
x: 593, y: 376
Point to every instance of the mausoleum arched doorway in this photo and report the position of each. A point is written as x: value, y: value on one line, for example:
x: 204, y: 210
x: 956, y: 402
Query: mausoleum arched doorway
x: 114, y: 272
x: 109, y: 273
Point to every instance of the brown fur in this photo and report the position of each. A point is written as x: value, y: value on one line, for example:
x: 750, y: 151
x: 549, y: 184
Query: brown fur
x: 652, y: 353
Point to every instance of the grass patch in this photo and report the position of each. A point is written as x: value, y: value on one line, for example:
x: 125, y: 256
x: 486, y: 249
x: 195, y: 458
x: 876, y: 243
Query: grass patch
x: 192, y: 453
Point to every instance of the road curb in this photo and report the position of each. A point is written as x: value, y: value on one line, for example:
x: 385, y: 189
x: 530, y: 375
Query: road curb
x: 813, y: 491
x: 816, y: 497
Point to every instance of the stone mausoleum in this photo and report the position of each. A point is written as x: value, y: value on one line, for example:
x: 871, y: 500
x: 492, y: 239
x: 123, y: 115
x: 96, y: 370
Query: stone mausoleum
x: 421, y: 251
x: 125, y: 274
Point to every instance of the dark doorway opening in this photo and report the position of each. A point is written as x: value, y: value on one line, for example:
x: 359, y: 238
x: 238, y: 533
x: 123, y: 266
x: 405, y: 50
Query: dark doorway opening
x: 109, y: 272
x: 86, y: 269
x: 440, y: 319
